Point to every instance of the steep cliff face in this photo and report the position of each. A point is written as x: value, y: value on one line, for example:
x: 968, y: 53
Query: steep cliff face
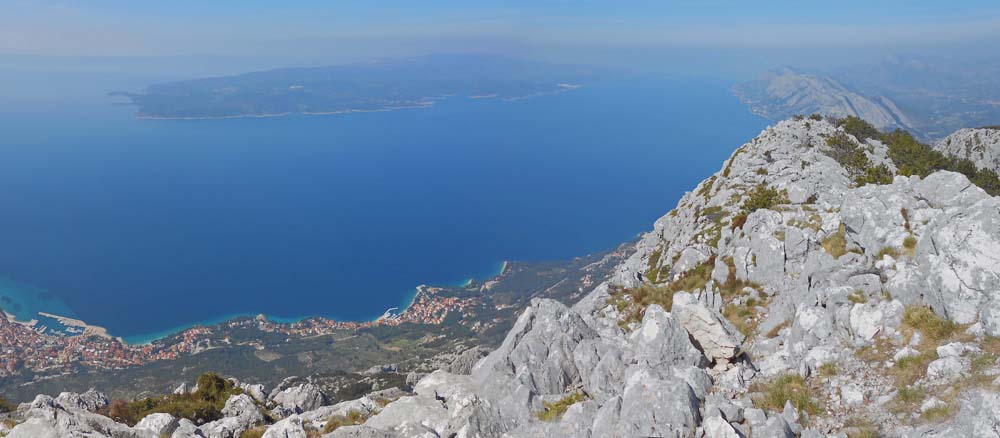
x: 777, y: 299
x: 979, y: 145
x: 784, y: 92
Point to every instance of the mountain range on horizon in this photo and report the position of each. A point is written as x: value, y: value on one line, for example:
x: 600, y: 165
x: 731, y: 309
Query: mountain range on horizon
x: 931, y: 98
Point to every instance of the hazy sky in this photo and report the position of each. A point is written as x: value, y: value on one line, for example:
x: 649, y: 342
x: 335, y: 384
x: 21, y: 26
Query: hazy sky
x: 352, y: 28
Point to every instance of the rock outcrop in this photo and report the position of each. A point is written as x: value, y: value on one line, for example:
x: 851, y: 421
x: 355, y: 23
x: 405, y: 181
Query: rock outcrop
x: 979, y: 145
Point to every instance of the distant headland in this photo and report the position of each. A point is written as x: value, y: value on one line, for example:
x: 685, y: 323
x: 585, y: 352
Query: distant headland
x: 386, y: 85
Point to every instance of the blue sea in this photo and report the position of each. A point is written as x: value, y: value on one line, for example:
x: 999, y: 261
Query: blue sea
x: 148, y: 226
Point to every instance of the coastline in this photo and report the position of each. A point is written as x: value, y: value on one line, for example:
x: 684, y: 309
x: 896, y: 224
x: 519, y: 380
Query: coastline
x: 407, y: 302
x: 426, y: 102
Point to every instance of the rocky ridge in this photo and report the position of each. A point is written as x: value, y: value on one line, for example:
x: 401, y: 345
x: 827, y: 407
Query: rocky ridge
x: 979, y: 145
x: 778, y: 299
x: 784, y: 92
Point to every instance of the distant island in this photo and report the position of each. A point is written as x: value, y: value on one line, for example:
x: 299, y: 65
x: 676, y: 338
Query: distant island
x: 383, y: 85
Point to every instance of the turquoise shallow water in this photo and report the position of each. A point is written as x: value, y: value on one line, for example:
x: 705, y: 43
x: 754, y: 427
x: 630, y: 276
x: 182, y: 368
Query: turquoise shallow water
x: 147, y: 226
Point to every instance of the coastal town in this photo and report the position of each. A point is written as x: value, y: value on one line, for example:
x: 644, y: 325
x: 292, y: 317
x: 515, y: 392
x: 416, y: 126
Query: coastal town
x: 27, y: 346
x: 31, y: 351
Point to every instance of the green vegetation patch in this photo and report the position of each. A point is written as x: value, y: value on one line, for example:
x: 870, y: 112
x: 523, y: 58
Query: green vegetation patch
x: 729, y: 164
x: 912, y: 157
x: 6, y: 406
x: 201, y: 406
x: 932, y: 327
x: 763, y: 197
x: 706, y: 189
x: 857, y: 297
x: 836, y: 243
x: 353, y: 418
x: 859, y: 128
x: 786, y: 388
x: 254, y: 432
x: 553, y: 411
x: 652, y: 265
x: 828, y: 370
x: 860, y: 428
x: 938, y: 414
x: 631, y: 303
x: 778, y: 328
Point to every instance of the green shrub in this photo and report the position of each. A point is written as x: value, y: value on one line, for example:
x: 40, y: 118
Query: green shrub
x: 763, y: 197
x: 554, y: 410
x: 858, y: 297
x: 836, y: 243
x: 201, y: 406
x: 887, y: 251
x: 632, y: 303
x: 6, y: 406
x: 933, y: 328
x: 860, y: 428
x: 729, y: 164
x: 859, y: 128
x: 828, y: 370
x: 848, y: 153
x: 777, y: 329
x: 652, y: 265
x: 353, y: 418
x: 910, y: 156
x: 786, y: 388
x: 255, y: 432
x: 880, y: 174
x: 938, y: 414
x: 914, y: 158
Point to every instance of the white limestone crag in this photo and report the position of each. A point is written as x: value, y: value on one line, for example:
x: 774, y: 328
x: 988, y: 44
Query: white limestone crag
x: 979, y: 145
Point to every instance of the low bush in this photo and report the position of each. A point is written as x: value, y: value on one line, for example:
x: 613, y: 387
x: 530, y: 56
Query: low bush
x: 932, y: 327
x: 255, y: 432
x: 836, y: 244
x: 201, y: 406
x: 777, y: 329
x: 6, y: 406
x: 938, y: 414
x: 786, y: 388
x: 632, y: 303
x: 910, y: 156
x: 858, y: 297
x: 859, y: 128
x: 827, y: 370
x: 353, y: 418
x: 880, y: 174
x: 554, y: 410
x: 763, y: 197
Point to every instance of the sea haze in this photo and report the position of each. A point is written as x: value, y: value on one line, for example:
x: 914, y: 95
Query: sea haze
x: 145, y: 226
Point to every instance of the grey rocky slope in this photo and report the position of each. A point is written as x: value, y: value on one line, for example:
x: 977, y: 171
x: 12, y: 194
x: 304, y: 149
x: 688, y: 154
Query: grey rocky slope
x: 777, y: 299
x: 784, y: 92
x: 979, y: 145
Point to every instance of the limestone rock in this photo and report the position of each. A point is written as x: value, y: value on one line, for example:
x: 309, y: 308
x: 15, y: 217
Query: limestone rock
x: 979, y: 145
x: 88, y: 401
x: 716, y: 337
x: 299, y: 399
x: 538, y: 351
x: 159, y: 424
x: 291, y: 427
